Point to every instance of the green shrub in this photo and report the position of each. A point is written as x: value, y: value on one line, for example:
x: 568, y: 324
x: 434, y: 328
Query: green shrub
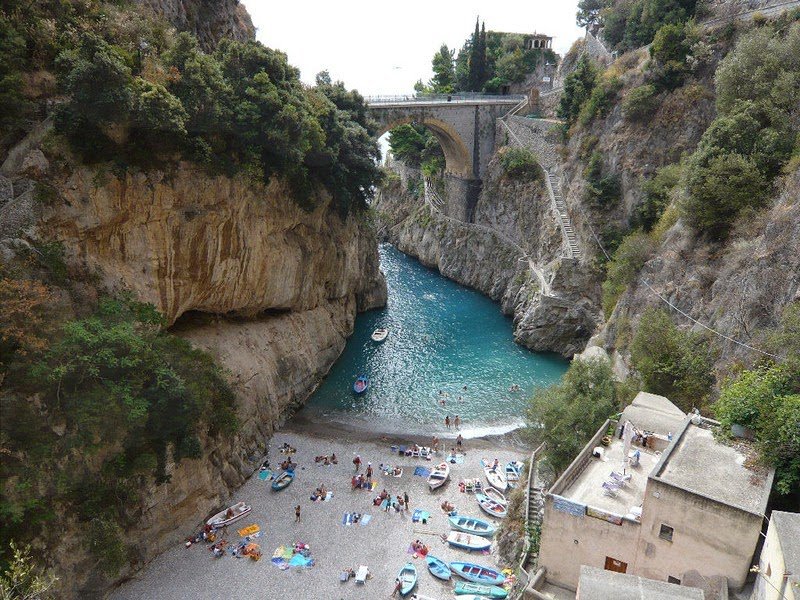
x: 105, y: 542
x: 640, y: 102
x: 601, y: 100
x: 520, y: 164
x: 603, y: 189
x: 668, y: 51
x: 578, y: 87
x: 674, y: 363
x: 634, y: 251
x: 657, y: 191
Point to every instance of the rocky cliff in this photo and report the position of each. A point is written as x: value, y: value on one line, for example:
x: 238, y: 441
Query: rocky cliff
x: 510, y: 252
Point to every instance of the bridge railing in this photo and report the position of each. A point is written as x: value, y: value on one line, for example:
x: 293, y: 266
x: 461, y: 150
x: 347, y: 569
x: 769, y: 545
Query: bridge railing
x: 460, y: 97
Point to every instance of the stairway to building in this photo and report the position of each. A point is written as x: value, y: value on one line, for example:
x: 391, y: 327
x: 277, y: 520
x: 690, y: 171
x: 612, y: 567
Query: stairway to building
x: 561, y: 209
x: 535, y: 514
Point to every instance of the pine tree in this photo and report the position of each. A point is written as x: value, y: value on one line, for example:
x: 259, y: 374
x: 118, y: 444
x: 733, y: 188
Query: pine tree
x: 444, y: 75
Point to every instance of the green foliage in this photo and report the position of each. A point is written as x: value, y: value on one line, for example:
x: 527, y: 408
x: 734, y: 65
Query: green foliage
x: 444, y: 73
x: 105, y: 542
x: 657, y: 191
x: 416, y: 146
x: 568, y: 414
x: 589, y: 12
x: 520, y: 164
x: 630, y: 25
x: 601, y: 100
x: 578, y: 87
x: 22, y: 578
x: 631, y: 255
x: 603, y: 189
x: 50, y: 256
x: 668, y: 51
x: 767, y: 400
x: 674, y: 363
x: 640, y: 102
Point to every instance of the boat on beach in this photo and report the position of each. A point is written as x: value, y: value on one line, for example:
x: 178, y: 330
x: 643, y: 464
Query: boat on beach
x: 283, y: 480
x: 498, y: 497
x: 225, y: 517
x: 379, y: 334
x: 490, y: 506
x: 408, y: 579
x: 514, y: 472
x: 438, y: 476
x: 480, y: 590
x: 361, y: 384
x: 477, y: 573
x: 472, y: 525
x: 465, y: 541
x: 438, y: 568
x: 494, y: 475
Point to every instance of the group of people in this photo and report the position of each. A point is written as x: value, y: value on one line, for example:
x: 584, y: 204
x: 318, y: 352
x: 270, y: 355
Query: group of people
x: 319, y: 493
x: 361, y: 481
x: 456, y: 421
x: 419, y: 548
x: 399, y: 503
x: 327, y: 460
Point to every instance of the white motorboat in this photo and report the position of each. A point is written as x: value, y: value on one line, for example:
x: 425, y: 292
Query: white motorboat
x: 379, y: 334
x: 495, y: 475
x: 438, y: 476
x: 233, y: 513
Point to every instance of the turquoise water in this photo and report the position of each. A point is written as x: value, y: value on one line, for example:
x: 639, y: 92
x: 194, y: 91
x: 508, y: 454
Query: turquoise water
x: 442, y: 337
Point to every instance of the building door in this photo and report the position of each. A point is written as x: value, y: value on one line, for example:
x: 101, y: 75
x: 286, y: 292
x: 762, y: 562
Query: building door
x: 612, y: 564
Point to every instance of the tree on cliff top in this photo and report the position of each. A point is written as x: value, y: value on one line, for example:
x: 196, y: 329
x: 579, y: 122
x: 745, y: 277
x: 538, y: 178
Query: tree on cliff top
x: 444, y: 74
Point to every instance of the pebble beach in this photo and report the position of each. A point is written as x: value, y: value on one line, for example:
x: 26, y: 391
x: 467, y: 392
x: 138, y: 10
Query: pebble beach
x: 382, y: 544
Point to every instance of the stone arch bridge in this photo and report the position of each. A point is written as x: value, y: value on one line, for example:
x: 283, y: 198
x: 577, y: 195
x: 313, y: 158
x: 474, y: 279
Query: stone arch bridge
x: 464, y: 125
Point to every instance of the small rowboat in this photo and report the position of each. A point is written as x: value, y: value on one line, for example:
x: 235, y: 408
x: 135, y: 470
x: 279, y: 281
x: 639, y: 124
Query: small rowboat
x: 379, y: 334
x: 487, y: 591
x: 225, y: 517
x: 438, y: 476
x: 466, y: 541
x: 477, y: 573
x: 438, y: 567
x: 513, y: 472
x: 496, y: 496
x: 472, y: 525
x: 495, y: 477
x: 282, y: 481
x: 491, y: 507
x: 361, y: 384
x: 408, y: 579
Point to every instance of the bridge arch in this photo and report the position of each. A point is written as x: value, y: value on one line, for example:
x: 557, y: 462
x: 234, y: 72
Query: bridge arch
x: 458, y: 158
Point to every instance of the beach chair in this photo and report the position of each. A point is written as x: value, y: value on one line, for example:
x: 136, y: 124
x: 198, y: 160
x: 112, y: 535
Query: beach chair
x: 361, y: 574
x: 610, y: 488
x: 620, y: 478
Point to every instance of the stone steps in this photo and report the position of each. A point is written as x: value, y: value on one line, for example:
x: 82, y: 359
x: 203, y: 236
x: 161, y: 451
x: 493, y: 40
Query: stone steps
x: 561, y: 208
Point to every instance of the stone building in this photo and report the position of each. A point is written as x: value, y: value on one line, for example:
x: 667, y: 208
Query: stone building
x: 690, y: 512
x: 599, y: 584
x: 779, y: 565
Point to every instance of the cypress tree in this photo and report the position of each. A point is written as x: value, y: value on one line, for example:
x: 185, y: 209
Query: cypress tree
x: 474, y: 59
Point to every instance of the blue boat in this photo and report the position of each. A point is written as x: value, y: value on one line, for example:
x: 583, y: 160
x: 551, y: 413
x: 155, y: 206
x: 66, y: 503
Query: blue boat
x: 408, y: 579
x: 361, y: 384
x: 438, y: 567
x: 472, y: 525
x: 282, y: 481
x: 478, y: 573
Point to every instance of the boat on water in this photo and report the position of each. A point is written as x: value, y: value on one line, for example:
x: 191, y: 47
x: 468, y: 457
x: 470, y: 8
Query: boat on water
x: 472, y: 525
x: 225, y: 517
x: 514, y: 472
x: 490, y: 506
x: 494, y: 475
x: 361, y: 384
x: 438, y: 567
x: 478, y: 589
x: 477, y: 573
x: 283, y: 480
x: 465, y: 541
x: 408, y: 579
x: 438, y: 476
x: 379, y: 334
x: 498, y: 497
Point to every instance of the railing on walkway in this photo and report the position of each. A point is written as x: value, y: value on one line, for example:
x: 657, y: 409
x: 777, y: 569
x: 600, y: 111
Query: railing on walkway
x: 523, y: 577
x: 460, y: 98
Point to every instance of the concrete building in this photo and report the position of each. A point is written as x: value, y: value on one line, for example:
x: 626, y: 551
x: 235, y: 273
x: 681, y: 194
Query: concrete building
x: 779, y: 565
x: 690, y: 512
x: 599, y: 584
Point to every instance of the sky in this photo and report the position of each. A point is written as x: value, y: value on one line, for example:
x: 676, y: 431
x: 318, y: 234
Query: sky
x: 384, y: 48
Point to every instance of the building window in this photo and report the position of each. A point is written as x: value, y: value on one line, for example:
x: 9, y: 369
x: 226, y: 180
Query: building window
x: 671, y: 579
x: 665, y: 533
x: 612, y: 564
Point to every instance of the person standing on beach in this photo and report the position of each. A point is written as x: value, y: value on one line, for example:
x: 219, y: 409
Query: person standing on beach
x: 297, y: 514
x: 459, y: 441
x: 357, y: 463
x: 369, y: 471
x: 457, y: 422
x: 405, y: 497
x: 447, y: 421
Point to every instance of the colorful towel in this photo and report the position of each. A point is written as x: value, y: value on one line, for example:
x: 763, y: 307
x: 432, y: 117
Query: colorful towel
x: 264, y: 475
x: 422, y: 471
x: 298, y: 560
x: 420, y: 515
x: 249, y: 530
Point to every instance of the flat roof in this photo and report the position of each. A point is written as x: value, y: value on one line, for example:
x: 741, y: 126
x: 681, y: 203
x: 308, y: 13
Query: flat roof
x: 696, y: 462
x: 787, y: 526
x: 588, y: 486
x: 598, y: 584
x: 651, y: 412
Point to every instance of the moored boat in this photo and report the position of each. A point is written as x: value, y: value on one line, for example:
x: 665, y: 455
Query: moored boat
x: 490, y: 506
x: 472, y: 525
x: 225, y: 517
x: 477, y: 573
x: 478, y: 589
x: 514, y: 472
x: 361, y: 384
x: 408, y: 579
x: 379, y: 334
x: 466, y: 541
x: 438, y: 567
x: 496, y: 496
x: 283, y: 480
x: 494, y: 475
x: 438, y: 476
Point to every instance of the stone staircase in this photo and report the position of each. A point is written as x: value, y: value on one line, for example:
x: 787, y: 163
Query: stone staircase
x: 554, y: 184
x: 535, y: 514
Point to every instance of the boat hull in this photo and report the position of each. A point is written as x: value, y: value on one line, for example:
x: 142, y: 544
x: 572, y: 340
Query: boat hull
x: 465, y: 541
x: 477, y: 573
x: 360, y: 386
x: 438, y: 568
x: 408, y: 579
x: 473, y: 526
x: 491, y: 507
x: 240, y: 510
x: 477, y: 589
x: 282, y: 481
x: 439, y: 476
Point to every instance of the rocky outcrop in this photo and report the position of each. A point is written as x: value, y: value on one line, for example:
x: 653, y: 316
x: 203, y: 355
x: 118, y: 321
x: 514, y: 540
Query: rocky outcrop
x: 208, y: 20
x: 511, y: 253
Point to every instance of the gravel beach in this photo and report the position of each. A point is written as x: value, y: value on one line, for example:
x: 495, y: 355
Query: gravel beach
x: 382, y: 544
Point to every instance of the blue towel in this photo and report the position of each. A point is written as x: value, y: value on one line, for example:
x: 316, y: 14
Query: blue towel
x: 345, y: 518
x: 422, y: 471
x: 420, y: 515
x: 264, y: 475
x: 365, y: 519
